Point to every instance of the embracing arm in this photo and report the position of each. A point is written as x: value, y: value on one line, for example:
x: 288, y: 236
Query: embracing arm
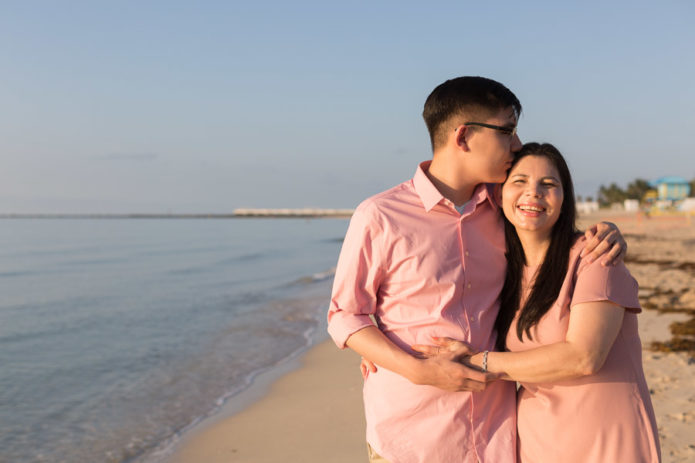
x: 359, y: 273
x: 593, y: 327
x: 443, y: 371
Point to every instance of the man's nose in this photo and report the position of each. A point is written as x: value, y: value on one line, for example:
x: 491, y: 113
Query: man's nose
x: 516, y: 143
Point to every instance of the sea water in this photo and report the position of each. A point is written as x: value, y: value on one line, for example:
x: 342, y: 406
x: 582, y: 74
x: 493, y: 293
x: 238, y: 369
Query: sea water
x: 118, y: 334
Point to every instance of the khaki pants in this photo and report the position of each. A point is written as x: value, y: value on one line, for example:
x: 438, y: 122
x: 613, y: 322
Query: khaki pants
x: 374, y: 457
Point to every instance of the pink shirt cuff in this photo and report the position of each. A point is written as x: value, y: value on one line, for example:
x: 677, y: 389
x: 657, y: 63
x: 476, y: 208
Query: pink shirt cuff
x: 341, y: 325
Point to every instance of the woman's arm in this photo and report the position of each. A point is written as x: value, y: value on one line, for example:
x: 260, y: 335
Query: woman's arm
x: 592, y: 329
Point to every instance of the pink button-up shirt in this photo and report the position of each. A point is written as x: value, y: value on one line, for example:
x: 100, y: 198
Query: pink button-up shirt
x: 422, y: 269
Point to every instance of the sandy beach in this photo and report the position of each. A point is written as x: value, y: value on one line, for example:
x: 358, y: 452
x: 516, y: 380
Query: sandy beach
x: 314, y: 413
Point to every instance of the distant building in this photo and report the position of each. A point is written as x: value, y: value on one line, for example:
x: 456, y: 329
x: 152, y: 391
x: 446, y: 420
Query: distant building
x: 688, y: 204
x: 587, y: 207
x: 631, y: 205
x: 671, y: 188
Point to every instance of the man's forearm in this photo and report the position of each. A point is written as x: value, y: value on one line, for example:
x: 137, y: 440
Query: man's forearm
x: 442, y: 372
x: 373, y: 345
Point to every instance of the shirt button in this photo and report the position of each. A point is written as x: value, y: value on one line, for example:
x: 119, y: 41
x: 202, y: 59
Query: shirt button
x: 466, y: 252
x: 472, y: 317
x: 469, y: 285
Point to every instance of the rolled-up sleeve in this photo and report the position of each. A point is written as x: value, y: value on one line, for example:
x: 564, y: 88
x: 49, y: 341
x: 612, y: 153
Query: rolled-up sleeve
x: 357, y: 276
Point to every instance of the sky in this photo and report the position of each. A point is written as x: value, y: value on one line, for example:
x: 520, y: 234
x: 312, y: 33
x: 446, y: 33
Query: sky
x: 206, y: 106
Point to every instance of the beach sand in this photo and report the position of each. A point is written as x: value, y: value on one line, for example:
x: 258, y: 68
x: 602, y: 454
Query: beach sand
x: 314, y: 414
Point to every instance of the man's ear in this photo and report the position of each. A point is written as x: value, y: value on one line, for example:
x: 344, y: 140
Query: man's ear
x: 462, y: 134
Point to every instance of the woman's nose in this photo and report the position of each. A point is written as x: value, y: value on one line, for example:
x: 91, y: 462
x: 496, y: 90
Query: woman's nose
x: 534, y: 191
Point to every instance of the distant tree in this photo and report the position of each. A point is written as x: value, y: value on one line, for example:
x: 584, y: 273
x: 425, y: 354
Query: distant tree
x: 589, y: 199
x: 692, y: 188
x: 579, y: 198
x: 637, y: 188
x: 611, y: 194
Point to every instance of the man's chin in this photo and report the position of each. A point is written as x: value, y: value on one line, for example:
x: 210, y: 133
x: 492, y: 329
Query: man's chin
x: 498, y: 179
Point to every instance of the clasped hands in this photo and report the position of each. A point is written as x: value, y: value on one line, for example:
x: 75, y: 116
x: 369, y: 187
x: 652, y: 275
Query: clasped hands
x: 445, y: 365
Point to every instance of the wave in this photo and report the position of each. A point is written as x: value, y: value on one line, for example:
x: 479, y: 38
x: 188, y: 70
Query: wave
x: 216, y: 265
x: 315, y: 278
x: 310, y: 335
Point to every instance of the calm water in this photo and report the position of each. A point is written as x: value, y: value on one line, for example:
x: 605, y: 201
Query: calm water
x: 117, y: 334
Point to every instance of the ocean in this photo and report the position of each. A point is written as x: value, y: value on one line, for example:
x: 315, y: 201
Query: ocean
x: 118, y: 335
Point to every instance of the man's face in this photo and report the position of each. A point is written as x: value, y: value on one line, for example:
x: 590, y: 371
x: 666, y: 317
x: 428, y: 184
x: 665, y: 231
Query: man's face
x: 492, y: 150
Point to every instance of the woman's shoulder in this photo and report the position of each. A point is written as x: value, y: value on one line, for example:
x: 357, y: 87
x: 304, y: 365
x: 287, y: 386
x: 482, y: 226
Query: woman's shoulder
x: 576, y: 260
x: 579, y: 243
x: 593, y: 281
x: 583, y: 264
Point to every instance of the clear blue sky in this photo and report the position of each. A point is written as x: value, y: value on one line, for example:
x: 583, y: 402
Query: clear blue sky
x: 157, y: 106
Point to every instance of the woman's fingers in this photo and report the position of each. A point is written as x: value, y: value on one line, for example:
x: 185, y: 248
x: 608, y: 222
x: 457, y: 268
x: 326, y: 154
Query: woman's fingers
x: 426, y: 351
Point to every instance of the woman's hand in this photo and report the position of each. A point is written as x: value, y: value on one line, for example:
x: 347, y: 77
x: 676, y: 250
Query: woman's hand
x: 442, y: 366
x: 448, y: 347
x: 451, y: 348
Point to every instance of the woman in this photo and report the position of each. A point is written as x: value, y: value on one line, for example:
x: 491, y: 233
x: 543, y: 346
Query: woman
x: 570, y: 328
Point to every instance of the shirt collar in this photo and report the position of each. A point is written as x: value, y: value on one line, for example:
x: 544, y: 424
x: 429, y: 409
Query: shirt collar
x: 430, y: 195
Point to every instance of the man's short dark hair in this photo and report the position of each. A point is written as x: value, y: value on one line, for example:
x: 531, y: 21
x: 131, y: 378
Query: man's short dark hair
x: 472, y: 98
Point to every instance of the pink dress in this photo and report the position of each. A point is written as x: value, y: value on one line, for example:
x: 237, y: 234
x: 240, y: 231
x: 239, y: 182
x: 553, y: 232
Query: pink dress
x: 605, y: 417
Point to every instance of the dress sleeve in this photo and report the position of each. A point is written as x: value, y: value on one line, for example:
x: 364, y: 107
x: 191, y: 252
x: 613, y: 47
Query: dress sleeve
x: 357, y: 277
x: 598, y: 283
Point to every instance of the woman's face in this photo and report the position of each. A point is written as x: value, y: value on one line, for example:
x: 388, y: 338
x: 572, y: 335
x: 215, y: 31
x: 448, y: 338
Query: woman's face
x: 532, y: 195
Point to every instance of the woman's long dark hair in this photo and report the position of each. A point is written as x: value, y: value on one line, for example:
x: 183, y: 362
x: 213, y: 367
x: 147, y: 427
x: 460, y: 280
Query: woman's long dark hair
x: 552, y: 271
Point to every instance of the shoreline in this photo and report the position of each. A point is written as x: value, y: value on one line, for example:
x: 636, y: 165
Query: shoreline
x: 313, y: 413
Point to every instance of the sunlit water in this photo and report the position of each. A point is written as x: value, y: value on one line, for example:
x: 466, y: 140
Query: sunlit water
x: 115, y: 335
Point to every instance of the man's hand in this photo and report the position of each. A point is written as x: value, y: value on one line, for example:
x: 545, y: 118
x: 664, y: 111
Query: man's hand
x: 366, y: 367
x: 605, y: 240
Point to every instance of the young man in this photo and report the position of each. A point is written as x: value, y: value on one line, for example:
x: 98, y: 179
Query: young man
x: 426, y: 259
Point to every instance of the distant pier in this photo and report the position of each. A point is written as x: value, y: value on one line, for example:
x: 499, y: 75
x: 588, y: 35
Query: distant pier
x: 293, y: 213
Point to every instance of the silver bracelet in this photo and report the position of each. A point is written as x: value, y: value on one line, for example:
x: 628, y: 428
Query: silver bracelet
x: 485, y: 360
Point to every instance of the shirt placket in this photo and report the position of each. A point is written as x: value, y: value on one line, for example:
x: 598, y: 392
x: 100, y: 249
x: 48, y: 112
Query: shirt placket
x: 462, y: 320
x: 468, y: 316
x: 467, y: 282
